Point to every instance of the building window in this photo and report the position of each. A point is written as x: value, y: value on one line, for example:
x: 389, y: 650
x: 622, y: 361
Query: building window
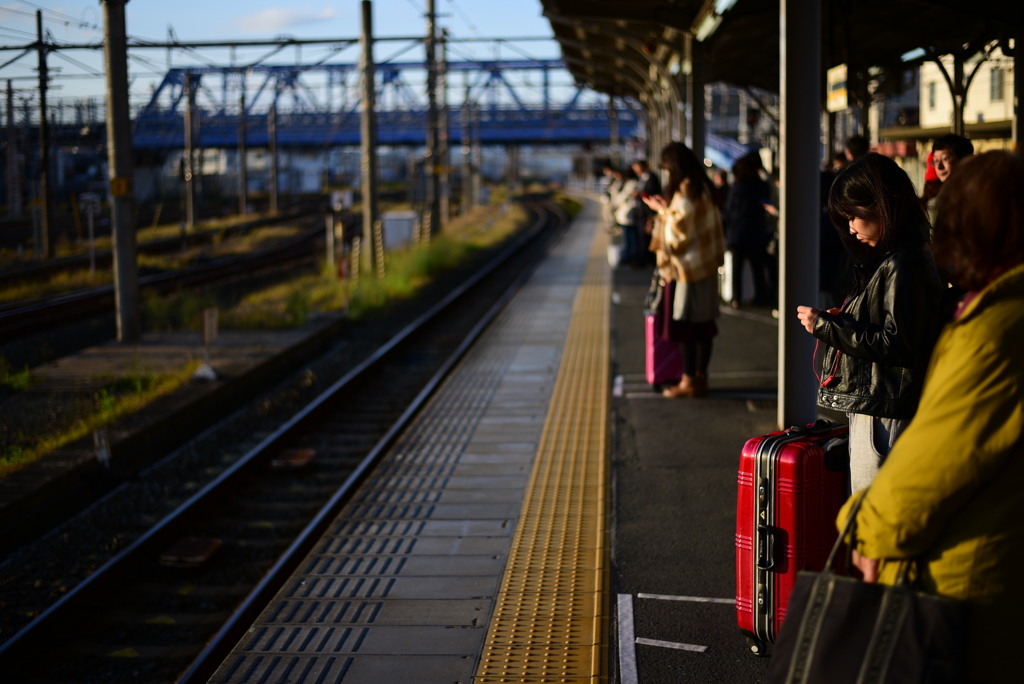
x: 995, y: 88
x: 931, y: 95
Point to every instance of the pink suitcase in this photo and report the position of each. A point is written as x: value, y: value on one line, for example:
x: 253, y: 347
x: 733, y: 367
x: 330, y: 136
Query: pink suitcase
x: 663, y: 364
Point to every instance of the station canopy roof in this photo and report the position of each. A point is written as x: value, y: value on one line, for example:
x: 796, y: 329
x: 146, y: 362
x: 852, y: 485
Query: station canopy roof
x: 600, y: 38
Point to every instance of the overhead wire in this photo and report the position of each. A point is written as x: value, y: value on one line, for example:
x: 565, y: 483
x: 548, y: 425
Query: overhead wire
x: 67, y: 18
x: 462, y: 14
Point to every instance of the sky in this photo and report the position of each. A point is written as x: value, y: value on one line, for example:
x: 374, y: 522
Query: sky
x: 77, y: 73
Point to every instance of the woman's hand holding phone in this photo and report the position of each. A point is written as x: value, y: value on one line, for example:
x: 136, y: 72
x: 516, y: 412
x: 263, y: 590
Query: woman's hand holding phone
x: 655, y: 202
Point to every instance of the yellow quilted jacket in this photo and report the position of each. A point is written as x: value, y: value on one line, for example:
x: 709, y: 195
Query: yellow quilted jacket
x: 952, y: 490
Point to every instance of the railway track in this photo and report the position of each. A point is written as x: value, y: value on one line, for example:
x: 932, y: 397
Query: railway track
x: 22, y: 318
x: 38, y: 270
x: 135, y: 619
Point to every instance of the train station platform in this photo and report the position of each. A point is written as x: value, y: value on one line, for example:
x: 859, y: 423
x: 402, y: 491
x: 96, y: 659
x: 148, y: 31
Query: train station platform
x: 547, y: 517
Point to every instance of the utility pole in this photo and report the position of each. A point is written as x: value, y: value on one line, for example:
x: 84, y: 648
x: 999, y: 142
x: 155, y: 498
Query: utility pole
x: 243, y: 170
x: 368, y: 138
x: 13, y: 177
x: 272, y: 143
x: 431, y: 162
x: 190, y: 164
x: 119, y: 158
x: 44, y: 144
x: 442, y: 78
x: 467, y: 145
x: 476, y: 153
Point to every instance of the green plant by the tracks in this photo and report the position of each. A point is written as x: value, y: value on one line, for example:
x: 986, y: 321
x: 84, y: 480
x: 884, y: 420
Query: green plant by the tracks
x: 14, y: 380
x: 114, y: 397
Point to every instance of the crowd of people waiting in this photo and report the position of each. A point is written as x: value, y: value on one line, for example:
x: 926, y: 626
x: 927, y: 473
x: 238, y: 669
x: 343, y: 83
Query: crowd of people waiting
x: 924, y: 354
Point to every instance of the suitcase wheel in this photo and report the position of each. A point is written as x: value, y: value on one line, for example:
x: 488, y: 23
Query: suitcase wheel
x: 757, y: 647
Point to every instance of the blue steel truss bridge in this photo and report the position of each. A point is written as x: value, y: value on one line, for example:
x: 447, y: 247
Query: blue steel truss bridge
x: 318, y: 106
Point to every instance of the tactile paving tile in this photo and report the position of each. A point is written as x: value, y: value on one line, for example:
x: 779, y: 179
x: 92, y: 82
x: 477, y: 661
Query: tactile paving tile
x: 403, y: 585
x: 550, y: 620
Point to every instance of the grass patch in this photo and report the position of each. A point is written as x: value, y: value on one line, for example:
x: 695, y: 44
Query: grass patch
x: 294, y: 302
x: 13, y: 380
x: 570, y: 205
x: 117, y: 396
x: 57, y: 284
x: 257, y: 239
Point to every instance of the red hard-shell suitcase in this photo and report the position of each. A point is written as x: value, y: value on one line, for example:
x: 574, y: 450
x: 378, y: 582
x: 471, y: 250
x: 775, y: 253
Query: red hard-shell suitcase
x: 791, y: 487
x: 663, y: 364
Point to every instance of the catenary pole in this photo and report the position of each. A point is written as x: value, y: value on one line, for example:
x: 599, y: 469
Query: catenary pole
x: 13, y: 178
x: 272, y: 151
x: 190, y: 155
x: 442, y: 136
x: 44, y: 145
x: 368, y: 138
x: 121, y: 163
x: 243, y: 167
x: 467, y: 145
x: 799, y: 125
x: 431, y: 156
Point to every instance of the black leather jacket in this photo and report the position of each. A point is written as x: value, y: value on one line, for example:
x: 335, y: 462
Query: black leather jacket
x: 885, y: 334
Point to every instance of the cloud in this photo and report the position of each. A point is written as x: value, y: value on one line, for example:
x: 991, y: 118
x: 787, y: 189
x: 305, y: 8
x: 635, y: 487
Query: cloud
x: 281, y: 19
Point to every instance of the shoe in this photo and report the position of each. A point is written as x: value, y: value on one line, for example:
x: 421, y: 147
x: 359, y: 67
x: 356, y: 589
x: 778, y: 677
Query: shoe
x: 695, y: 386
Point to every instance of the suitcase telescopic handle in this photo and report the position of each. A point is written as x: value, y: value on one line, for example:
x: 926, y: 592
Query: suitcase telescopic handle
x: 765, y: 547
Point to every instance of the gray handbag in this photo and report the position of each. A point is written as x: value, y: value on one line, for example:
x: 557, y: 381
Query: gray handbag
x: 841, y: 630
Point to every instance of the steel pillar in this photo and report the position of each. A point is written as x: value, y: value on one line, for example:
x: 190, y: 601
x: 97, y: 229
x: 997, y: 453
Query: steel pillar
x: 799, y: 123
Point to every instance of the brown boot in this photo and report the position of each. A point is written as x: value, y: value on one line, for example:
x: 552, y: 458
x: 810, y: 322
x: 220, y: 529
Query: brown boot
x: 700, y: 385
x: 683, y: 389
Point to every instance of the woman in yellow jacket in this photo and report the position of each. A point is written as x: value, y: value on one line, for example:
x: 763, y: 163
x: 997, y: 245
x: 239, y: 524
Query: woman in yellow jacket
x: 951, y: 493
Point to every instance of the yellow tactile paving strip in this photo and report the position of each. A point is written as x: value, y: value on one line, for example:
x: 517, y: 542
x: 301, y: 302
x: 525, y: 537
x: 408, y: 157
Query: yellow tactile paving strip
x: 551, y: 616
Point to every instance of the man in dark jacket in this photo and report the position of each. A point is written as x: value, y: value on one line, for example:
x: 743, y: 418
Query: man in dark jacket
x: 647, y: 183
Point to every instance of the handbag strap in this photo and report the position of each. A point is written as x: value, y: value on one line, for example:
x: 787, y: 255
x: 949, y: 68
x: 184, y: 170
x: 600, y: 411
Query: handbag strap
x: 850, y: 529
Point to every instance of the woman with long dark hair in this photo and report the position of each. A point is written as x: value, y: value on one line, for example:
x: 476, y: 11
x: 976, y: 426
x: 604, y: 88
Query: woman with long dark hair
x: 877, y: 344
x: 948, y: 500
x: 689, y: 247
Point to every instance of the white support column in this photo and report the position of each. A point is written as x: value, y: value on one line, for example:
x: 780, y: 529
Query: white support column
x: 799, y: 114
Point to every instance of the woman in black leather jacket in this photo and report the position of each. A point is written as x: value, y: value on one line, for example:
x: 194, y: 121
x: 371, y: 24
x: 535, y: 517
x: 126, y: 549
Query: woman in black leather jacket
x: 874, y: 349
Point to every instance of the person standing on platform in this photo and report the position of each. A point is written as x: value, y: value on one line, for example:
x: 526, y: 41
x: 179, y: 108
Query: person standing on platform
x: 746, y: 231
x: 949, y: 498
x: 689, y: 247
x: 877, y: 344
x: 856, y: 147
x: 647, y: 183
x: 623, y: 209
x: 947, y: 151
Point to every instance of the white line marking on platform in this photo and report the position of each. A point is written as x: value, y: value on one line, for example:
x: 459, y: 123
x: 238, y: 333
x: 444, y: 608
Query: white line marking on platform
x: 627, y: 652
x: 734, y: 394
x: 760, y: 318
x: 743, y: 374
x: 672, y: 644
x: 693, y: 599
x: 617, y: 386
